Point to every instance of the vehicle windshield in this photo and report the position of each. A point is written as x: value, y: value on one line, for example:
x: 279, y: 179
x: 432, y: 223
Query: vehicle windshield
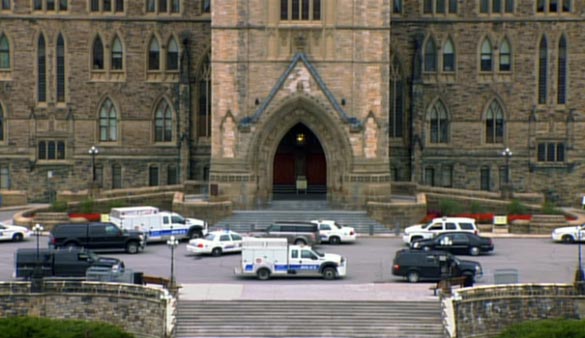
x: 178, y: 219
x: 319, y: 253
x: 209, y: 237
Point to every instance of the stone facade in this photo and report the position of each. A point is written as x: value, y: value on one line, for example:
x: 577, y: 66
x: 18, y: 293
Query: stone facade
x: 392, y: 91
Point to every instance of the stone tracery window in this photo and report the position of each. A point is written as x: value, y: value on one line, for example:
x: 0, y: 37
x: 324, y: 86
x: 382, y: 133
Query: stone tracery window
x: 204, y: 118
x: 430, y: 57
x: 108, y: 122
x: 98, y: 54
x: 117, y: 57
x: 300, y: 10
x: 41, y: 70
x: 396, y: 99
x: 438, y: 123
x: 154, y: 54
x: 60, y: 69
x: 494, y: 123
x: 562, y: 72
x: 542, y: 71
x: 449, y: 56
x: 173, y: 55
x: 505, y: 56
x: 486, y: 57
x: 163, y: 122
x: 4, y: 53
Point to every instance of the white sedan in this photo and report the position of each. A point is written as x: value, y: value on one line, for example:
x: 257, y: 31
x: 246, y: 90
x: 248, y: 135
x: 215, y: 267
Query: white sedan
x: 13, y: 232
x: 216, y: 243
x: 330, y: 231
x: 569, y: 234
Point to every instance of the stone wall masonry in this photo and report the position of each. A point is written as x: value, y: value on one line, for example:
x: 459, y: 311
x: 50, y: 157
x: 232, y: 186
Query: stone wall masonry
x: 483, y: 312
x: 141, y: 310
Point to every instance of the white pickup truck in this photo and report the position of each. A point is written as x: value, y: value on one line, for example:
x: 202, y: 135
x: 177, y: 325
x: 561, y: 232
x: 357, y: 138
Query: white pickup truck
x: 273, y: 257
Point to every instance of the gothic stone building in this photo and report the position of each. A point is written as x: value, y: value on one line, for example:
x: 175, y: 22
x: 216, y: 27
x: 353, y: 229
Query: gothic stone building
x: 256, y: 96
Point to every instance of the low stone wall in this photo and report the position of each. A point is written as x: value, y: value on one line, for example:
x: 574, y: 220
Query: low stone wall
x: 398, y: 215
x: 143, y: 311
x: 10, y: 198
x: 486, y: 311
x: 209, y: 211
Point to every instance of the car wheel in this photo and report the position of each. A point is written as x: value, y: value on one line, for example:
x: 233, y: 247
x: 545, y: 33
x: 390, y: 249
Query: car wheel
x: 195, y: 234
x: 263, y: 274
x: 413, y: 277
x: 334, y: 240
x: 568, y: 239
x: 300, y: 242
x: 426, y: 248
x: 17, y: 237
x: 132, y: 248
x: 216, y: 252
x: 474, y: 251
x: 329, y: 273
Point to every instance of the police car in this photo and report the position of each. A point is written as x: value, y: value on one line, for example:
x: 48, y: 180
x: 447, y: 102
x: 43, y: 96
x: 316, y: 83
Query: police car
x: 216, y: 243
x: 330, y: 231
x: 13, y: 232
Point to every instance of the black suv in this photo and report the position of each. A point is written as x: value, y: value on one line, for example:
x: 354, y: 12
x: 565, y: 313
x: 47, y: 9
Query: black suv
x: 97, y: 236
x: 456, y: 243
x: 416, y: 265
x: 71, y: 262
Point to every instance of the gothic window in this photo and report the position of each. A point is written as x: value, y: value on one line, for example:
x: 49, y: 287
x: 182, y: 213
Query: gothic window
x: 5, y: 5
x: 1, y: 123
x: 50, y: 5
x: 153, y: 176
x: 440, y: 6
x: 4, y: 53
x: 116, y: 176
x: 430, y: 56
x: 554, y: 6
x: 154, y: 55
x: 562, y: 72
x: 173, y: 55
x: 485, y: 178
x: 494, y: 123
x: 51, y: 150
x: 117, y: 55
x: 397, y: 6
x: 551, y: 152
x: 397, y: 100
x: 108, y: 122
x: 438, y: 123
x: 204, y: 120
x: 41, y: 70
x: 163, y: 123
x: 486, y: 56
x: 98, y: 54
x: 505, y: 56
x: 496, y: 6
x: 448, y: 57
x: 300, y: 10
x: 542, y: 71
x: 60, y: 69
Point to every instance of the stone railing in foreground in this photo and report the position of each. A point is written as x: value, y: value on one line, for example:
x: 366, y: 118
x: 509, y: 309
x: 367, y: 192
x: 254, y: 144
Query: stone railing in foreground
x: 141, y: 310
x: 485, y: 311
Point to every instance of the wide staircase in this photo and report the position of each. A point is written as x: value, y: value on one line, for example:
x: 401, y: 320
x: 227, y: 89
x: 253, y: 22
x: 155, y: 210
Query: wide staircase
x: 300, y: 210
x: 249, y: 318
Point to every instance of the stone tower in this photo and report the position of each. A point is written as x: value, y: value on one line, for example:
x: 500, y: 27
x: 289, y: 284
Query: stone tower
x: 300, y: 93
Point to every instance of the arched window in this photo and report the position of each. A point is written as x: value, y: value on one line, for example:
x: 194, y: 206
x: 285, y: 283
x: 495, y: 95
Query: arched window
x: 439, y: 124
x: 41, y: 70
x: 448, y: 57
x: 396, y: 100
x: 505, y: 56
x: 173, y: 55
x: 204, y: 123
x: 163, y: 123
x: 60, y: 69
x: 117, y: 55
x: 494, y: 123
x: 430, y: 56
x: 108, y: 122
x: 98, y: 54
x: 486, y: 56
x: 562, y: 72
x: 4, y: 52
x: 153, y: 55
x: 1, y: 123
x: 542, y: 70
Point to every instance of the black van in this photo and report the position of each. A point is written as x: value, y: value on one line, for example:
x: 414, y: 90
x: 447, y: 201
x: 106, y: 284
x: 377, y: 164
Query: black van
x: 97, y: 236
x: 69, y: 262
x: 295, y: 232
x: 417, y: 265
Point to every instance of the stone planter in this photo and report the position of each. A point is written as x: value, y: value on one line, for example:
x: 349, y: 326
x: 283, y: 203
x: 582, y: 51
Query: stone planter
x: 49, y: 219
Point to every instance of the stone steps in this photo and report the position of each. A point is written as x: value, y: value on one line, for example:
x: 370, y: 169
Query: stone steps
x: 308, y: 319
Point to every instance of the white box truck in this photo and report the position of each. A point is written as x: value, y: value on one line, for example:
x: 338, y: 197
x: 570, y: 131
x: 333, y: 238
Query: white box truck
x: 158, y: 225
x: 273, y: 257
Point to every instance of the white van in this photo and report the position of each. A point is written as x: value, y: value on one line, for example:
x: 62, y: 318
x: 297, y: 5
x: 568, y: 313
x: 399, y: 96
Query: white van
x: 158, y: 225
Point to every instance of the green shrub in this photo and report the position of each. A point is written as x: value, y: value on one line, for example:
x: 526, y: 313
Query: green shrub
x: 87, y: 206
x: 450, y: 207
x: 20, y: 327
x: 550, y: 328
x: 550, y: 208
x: 517, y: 208
x: 59, y: 206
x: 476, y: 208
